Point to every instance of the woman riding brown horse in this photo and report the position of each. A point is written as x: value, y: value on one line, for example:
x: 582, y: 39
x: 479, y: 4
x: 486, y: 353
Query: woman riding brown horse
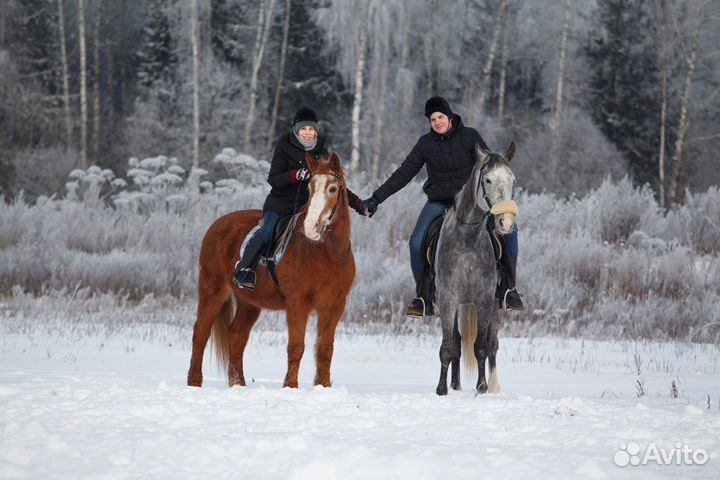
x: 315, y: 274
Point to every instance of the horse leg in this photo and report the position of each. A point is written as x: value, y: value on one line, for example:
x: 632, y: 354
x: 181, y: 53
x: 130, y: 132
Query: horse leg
x: 245, y: 317
x: 493, y: 345
x: 446, y: 351
x: 297, y: 318
x: 481, y: 349
x: 210, y: 302
x: 455, y: 377
x: 328, y: 319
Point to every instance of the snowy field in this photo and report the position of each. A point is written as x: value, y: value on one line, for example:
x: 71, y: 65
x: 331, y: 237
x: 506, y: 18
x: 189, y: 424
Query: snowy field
x: 115, y: 405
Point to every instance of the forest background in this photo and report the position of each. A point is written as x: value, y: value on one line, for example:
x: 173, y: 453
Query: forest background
x: 126, y: 127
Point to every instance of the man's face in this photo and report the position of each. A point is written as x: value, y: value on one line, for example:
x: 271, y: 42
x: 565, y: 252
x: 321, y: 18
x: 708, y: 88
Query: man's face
x: 440, y: 123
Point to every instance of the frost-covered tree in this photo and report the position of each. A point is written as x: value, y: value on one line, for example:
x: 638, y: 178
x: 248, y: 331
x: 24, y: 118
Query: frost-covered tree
x: 157, y: 58
x: 625, y: 82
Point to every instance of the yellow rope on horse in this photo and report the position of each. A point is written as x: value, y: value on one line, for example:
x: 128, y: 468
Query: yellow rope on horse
x: 506, y: 206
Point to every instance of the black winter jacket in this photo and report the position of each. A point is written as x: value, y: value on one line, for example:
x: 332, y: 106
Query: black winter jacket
x: 289, y: 156
x: 449, y: 160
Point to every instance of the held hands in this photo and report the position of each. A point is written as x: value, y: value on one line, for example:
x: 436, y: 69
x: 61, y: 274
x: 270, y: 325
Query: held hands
x: 303, y: 175
x: 368, y: 206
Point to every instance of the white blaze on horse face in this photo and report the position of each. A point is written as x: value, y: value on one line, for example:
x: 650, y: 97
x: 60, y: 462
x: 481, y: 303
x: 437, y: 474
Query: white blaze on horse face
x: 312, y: 227
x: 499, y: 188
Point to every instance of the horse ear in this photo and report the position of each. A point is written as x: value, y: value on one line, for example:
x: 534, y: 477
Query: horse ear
x: 310, y: 162
x: 482, y: 155
x: 510, y: 152
x: 335, y: 165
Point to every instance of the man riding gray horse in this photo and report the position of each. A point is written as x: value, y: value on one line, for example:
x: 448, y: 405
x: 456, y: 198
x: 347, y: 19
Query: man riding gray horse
x: 448, y: 152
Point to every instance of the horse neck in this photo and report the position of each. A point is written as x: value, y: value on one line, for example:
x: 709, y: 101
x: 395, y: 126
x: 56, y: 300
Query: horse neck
x: 466, y: 206
x: 341, y: 226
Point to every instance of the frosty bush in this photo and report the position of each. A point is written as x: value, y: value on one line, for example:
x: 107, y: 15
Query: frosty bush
x: 609, y: 264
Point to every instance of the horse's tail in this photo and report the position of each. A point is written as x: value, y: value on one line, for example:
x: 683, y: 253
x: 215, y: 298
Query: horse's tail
x: 467, y: 324
x: 220, y: 329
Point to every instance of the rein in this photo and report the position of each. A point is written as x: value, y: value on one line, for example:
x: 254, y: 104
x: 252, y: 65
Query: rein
x: 487, y: 200
x: 341, y: 197
x: 504, y: 206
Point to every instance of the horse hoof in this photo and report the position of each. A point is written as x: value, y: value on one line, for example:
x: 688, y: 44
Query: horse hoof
x: 456, y: 386
x: 194, y: 380
x: 442, y: 390
x: 236, y: 382
x: 481, y: 388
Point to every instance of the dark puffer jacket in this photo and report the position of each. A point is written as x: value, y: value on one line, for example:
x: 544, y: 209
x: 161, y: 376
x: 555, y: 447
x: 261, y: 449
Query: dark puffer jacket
x: 288, y: 157
x: 449, y: 160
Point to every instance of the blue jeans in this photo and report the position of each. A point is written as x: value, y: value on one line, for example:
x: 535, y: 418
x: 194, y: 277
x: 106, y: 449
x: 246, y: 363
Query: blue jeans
x: 270, y: 219
x: 430, y: 212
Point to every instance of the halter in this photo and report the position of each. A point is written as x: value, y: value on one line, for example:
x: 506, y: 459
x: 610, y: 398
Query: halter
x: 341, y: 196
x: 340, y: 193
x: 504, y: 206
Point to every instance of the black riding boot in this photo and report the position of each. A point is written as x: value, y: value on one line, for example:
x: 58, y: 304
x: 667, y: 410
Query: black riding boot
x: 508, y: 298
x: 421, y: 305
x: 244, y: 276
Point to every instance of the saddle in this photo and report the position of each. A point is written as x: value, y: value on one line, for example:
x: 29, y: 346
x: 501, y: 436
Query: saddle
x: 282, y: 233
x: 429, y: 247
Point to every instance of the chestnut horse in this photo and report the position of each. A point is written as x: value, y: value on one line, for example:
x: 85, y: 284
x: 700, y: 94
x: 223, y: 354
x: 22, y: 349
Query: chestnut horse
x: 315, y: 274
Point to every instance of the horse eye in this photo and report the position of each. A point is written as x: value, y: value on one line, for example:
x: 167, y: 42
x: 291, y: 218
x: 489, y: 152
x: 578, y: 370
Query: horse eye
x: 487, y: 180
x: 333, y: 189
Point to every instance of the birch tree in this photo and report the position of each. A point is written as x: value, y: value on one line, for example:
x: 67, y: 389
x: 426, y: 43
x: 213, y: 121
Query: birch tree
x: 382, y: 59
x: 358, y: 95
x: 83, y: 85
x: 503, y: 73
x: 99, y: 8
x: 195, y: 41
x: 281, y: 74
x: 479, y: 106
x: 3, y: 25
x: 65, y: 76
x: 261, y: 38
x: 661, y: 19
x: 684, y: 121
x: 557, y: 106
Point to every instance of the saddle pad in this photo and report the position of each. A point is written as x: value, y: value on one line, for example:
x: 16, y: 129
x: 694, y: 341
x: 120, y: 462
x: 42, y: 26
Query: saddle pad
x: 281, y: 240
x: 430, y: 240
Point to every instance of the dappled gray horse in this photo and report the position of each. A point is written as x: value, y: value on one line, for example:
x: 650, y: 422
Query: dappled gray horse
x: 465, y: 270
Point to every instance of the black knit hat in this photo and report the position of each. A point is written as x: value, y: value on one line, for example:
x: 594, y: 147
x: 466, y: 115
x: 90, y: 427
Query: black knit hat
x: 437, y: 104
x: 304, y: 115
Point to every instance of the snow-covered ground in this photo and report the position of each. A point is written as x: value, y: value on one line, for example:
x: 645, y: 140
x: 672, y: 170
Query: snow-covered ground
x: 116, y: 406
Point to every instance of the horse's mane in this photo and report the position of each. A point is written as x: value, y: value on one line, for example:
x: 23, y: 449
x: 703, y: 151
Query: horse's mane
x: 465, y: 201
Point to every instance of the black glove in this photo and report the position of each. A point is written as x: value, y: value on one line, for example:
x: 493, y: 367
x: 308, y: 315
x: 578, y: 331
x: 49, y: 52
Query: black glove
x: 369, y: 206
x: 303, y: 175
x: 357, y: 206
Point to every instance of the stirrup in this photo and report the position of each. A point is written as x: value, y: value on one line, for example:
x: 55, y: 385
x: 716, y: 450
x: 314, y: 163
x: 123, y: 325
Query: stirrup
x: 414, y: 311
x: 503, y: 304
x: 244, y: 278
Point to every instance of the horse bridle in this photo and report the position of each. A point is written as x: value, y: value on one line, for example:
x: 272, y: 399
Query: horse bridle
x: 341, y: 195
x: 505, y: 206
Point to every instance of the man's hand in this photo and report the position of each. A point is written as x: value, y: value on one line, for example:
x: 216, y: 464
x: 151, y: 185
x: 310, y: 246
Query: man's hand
x: 369, y: 206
